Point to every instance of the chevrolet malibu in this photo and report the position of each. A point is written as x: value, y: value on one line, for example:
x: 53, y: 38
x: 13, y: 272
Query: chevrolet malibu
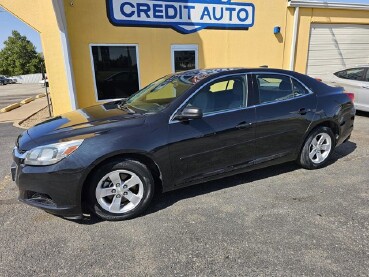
x: 180, y: 130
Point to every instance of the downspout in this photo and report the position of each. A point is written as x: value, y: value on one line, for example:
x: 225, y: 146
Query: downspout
x: 294, y: 38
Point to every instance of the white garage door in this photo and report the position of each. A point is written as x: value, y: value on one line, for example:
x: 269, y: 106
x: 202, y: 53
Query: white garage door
x: 334, y: 47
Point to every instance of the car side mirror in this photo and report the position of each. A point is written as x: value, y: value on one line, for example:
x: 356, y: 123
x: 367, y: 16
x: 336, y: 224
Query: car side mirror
x: 189, y: 113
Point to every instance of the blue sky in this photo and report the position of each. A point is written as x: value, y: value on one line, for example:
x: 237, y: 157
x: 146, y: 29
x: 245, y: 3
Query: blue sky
x: 8, y: 22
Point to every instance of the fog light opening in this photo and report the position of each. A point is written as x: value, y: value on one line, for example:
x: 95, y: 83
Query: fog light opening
x: 40, y: 198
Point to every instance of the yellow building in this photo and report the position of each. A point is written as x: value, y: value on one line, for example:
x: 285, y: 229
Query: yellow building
x: 99, y: 50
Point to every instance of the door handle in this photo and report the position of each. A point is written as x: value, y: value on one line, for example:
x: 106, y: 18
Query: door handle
x: 365, y: 86
x: 243, y: 125
x: 302, y: 111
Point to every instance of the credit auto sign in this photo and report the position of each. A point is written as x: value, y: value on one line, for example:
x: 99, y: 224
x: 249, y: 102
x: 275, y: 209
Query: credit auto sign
x: 185, y: 16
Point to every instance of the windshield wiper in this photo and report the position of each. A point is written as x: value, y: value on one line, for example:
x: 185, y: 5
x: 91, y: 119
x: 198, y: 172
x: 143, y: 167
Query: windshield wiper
x: 121, y: 102
x: 123, y: 106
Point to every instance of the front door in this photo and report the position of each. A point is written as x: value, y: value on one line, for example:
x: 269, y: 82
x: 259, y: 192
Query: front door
x: 223, y: 138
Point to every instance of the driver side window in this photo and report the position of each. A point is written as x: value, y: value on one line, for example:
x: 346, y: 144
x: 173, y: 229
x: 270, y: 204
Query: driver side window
x: 221, y: 95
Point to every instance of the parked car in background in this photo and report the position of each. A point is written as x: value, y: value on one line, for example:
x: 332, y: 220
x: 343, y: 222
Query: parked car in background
x: 9, y: 80
x: 355, y: 80
x: 6, y: 80
x: 3, y: 81
x: 181, y: 130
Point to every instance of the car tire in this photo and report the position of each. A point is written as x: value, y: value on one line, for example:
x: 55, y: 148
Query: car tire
x: 317, y: 149
x: 120, y: 190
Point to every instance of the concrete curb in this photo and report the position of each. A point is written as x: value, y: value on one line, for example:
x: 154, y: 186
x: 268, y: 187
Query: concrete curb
x: 18, y: 124
x: 10, y: 107
x: 27, y: 100
x: 23, y: 102
x: 40, y: 95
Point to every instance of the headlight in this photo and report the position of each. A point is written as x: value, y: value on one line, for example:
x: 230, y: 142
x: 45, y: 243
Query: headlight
x: 52, y: 153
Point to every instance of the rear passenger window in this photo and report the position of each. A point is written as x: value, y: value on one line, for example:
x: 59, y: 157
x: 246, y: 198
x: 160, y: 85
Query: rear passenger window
x: 298, y: 89
x: 351, y: 74
x: 273, y: 88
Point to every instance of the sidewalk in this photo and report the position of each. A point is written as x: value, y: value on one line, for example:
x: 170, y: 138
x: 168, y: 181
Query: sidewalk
x: 24, y: 111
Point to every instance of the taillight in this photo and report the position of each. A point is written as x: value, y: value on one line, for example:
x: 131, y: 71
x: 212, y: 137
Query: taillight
x: 319, y: 80
x: 351, y: 96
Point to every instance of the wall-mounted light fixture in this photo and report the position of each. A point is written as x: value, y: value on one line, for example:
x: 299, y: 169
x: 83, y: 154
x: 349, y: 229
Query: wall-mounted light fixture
x: 277, y: 30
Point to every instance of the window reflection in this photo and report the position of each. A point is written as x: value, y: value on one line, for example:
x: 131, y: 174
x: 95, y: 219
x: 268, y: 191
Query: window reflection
x: 116, y: 71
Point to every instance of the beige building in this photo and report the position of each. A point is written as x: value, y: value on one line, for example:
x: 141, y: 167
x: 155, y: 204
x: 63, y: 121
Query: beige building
x: 101, y: 50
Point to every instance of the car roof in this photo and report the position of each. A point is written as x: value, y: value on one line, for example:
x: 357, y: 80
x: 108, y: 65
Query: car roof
x: 196, y: 75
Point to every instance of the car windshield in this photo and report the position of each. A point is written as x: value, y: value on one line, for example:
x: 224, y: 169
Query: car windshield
x: 159, y: 94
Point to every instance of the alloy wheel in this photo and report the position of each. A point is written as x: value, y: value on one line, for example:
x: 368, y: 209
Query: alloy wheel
x: 119, y: 191
x: 320, y: 148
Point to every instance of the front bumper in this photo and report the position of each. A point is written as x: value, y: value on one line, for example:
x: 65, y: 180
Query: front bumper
x: 55, y: 189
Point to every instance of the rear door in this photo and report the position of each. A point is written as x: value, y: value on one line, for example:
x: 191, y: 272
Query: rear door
x: 284, y: 112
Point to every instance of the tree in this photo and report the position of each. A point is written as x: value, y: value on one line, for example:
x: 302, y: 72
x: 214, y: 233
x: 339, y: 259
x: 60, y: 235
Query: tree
x: 19, y: 56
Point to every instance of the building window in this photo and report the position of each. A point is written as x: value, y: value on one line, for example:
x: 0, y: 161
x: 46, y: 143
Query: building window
x: 116, y: 70
x: 184, y: 57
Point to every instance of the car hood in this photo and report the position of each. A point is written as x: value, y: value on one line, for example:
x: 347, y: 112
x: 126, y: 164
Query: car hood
x: 79, y: 124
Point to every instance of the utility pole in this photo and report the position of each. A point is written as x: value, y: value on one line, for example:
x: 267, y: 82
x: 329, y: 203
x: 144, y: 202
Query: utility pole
x: 46, y: 86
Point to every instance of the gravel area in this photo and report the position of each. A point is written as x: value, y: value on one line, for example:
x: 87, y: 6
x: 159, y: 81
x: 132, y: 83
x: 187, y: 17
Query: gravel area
x: 39, y: 117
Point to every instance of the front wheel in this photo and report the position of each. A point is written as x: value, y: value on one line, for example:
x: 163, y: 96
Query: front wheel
x: 317, y: 149
x: 120, y: 190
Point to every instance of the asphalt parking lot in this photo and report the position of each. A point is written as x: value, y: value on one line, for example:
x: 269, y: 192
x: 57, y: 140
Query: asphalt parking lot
x: 13, y: 93
x: 280, y: 221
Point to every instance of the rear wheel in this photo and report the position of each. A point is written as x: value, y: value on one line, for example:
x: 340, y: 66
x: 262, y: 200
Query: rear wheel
x: 120, y: 190
x: 317, y: 149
